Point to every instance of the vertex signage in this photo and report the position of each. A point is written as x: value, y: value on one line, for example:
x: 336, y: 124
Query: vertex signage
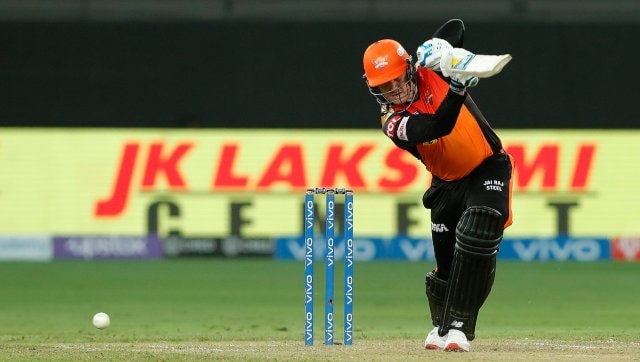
x: 249, y: 183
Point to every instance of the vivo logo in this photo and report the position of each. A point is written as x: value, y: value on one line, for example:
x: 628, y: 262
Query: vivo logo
x: 329, y: 330
x: 330, y: 255
x: 416, y: 251
x: 349, y: 220
x: 349, y: 250
x: 348, y: 329
x: 308, y: 289
x: 330, y: 210
x: 308, y: 255
x: 579, y: 249
x: 309, y: 215
x: 349, y: 291
x: 308, y: 327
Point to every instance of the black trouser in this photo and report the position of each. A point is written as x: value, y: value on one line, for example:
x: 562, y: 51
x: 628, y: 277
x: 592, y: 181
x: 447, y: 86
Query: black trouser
x: 487, y: 185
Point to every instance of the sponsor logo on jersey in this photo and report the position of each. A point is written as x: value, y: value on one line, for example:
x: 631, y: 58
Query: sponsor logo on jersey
x: 493, y: 185
x: 402, y: 129
x: 391, y: 125
x: 439, y: 228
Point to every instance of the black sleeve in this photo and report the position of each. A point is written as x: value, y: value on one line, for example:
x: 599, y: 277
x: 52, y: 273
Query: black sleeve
x: 407, y: 130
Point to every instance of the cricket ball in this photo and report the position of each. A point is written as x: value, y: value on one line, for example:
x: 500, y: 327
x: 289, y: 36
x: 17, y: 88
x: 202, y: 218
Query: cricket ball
x: 101, y: 320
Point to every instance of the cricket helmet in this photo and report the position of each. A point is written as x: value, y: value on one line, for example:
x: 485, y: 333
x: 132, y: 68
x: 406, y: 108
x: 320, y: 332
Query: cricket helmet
x: 384, y: 61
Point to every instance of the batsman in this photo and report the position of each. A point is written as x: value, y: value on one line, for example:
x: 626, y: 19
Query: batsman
x: 427, y: 111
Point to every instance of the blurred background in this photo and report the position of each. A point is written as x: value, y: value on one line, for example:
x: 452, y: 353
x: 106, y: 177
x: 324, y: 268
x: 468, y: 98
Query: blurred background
x: 163, y: 63
x: 150, y: 129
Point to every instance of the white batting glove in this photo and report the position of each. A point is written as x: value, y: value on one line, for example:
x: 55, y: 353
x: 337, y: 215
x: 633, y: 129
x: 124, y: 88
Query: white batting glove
x: 457, y: 58
x: 429, y: 53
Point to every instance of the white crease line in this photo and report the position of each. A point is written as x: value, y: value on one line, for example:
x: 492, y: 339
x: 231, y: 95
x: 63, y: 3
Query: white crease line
x: 608, y: 344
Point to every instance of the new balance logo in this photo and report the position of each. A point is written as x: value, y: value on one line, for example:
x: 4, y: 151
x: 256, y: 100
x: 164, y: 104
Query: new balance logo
x: 456, y: 324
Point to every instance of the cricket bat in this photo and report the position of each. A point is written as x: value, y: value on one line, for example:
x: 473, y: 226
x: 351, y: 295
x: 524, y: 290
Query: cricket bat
x: 478, y: 65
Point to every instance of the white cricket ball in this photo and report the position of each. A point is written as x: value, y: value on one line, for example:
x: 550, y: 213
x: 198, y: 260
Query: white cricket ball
x: 101, y: 320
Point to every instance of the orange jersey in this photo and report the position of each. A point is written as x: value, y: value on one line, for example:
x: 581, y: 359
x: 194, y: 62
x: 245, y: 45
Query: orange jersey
x: 450, y: 156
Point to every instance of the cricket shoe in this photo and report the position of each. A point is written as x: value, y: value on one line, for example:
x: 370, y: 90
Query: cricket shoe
x: 434, y: 341
x: 456, y: 342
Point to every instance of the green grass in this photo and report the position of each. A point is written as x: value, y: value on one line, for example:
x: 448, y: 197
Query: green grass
x: 213, y: 300
x: 559, y: 300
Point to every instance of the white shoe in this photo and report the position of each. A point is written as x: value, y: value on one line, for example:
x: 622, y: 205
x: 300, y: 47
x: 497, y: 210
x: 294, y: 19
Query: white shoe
x: 434, y: 341
x: 456, y: 342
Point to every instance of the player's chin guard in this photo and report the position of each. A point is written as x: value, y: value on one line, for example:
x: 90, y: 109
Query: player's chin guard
x: 478, y: 236
x: 384, y: 61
